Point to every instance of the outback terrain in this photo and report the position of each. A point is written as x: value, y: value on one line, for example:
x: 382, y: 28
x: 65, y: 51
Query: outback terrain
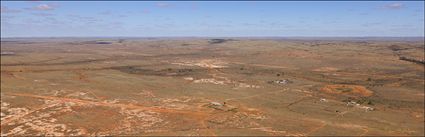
x: 211, y: 87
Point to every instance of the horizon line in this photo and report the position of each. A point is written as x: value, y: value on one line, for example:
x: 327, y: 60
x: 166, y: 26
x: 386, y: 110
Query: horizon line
x: 216, y: 37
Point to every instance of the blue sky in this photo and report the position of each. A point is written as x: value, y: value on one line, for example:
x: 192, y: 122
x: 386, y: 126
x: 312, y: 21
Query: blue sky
x: 214, y: 19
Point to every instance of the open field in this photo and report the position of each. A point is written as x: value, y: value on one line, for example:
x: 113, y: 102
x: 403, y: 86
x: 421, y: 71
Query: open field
x: 197, y: 86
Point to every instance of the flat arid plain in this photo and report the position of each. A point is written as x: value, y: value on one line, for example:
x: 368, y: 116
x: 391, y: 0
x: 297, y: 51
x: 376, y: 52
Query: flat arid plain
x: 206, y: 86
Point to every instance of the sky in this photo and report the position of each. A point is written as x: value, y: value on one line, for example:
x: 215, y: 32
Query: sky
x: 211, y: 19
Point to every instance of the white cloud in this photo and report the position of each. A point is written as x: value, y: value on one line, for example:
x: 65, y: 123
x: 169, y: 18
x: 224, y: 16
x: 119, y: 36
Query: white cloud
x: 44, y: 7
x: 394, y: 6
x: 163, y: 5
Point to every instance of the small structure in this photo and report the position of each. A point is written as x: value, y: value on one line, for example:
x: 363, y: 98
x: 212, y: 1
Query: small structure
x: 323, y: 100
x: 222, y: 107
x: 368, y: 108
x: 282, y: 81
x: 188, y: 78
x: 352, y: 103
x: 215, y: 104
x: 285, y: 81
x: 355, y: 104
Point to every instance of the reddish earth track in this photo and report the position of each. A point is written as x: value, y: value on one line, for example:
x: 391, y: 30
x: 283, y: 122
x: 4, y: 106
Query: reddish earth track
x: 4, y: 122
x: 127, y: 106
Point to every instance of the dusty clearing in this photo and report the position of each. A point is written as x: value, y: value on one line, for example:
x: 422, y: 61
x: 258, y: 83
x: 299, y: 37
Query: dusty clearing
x: 352, y: 90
